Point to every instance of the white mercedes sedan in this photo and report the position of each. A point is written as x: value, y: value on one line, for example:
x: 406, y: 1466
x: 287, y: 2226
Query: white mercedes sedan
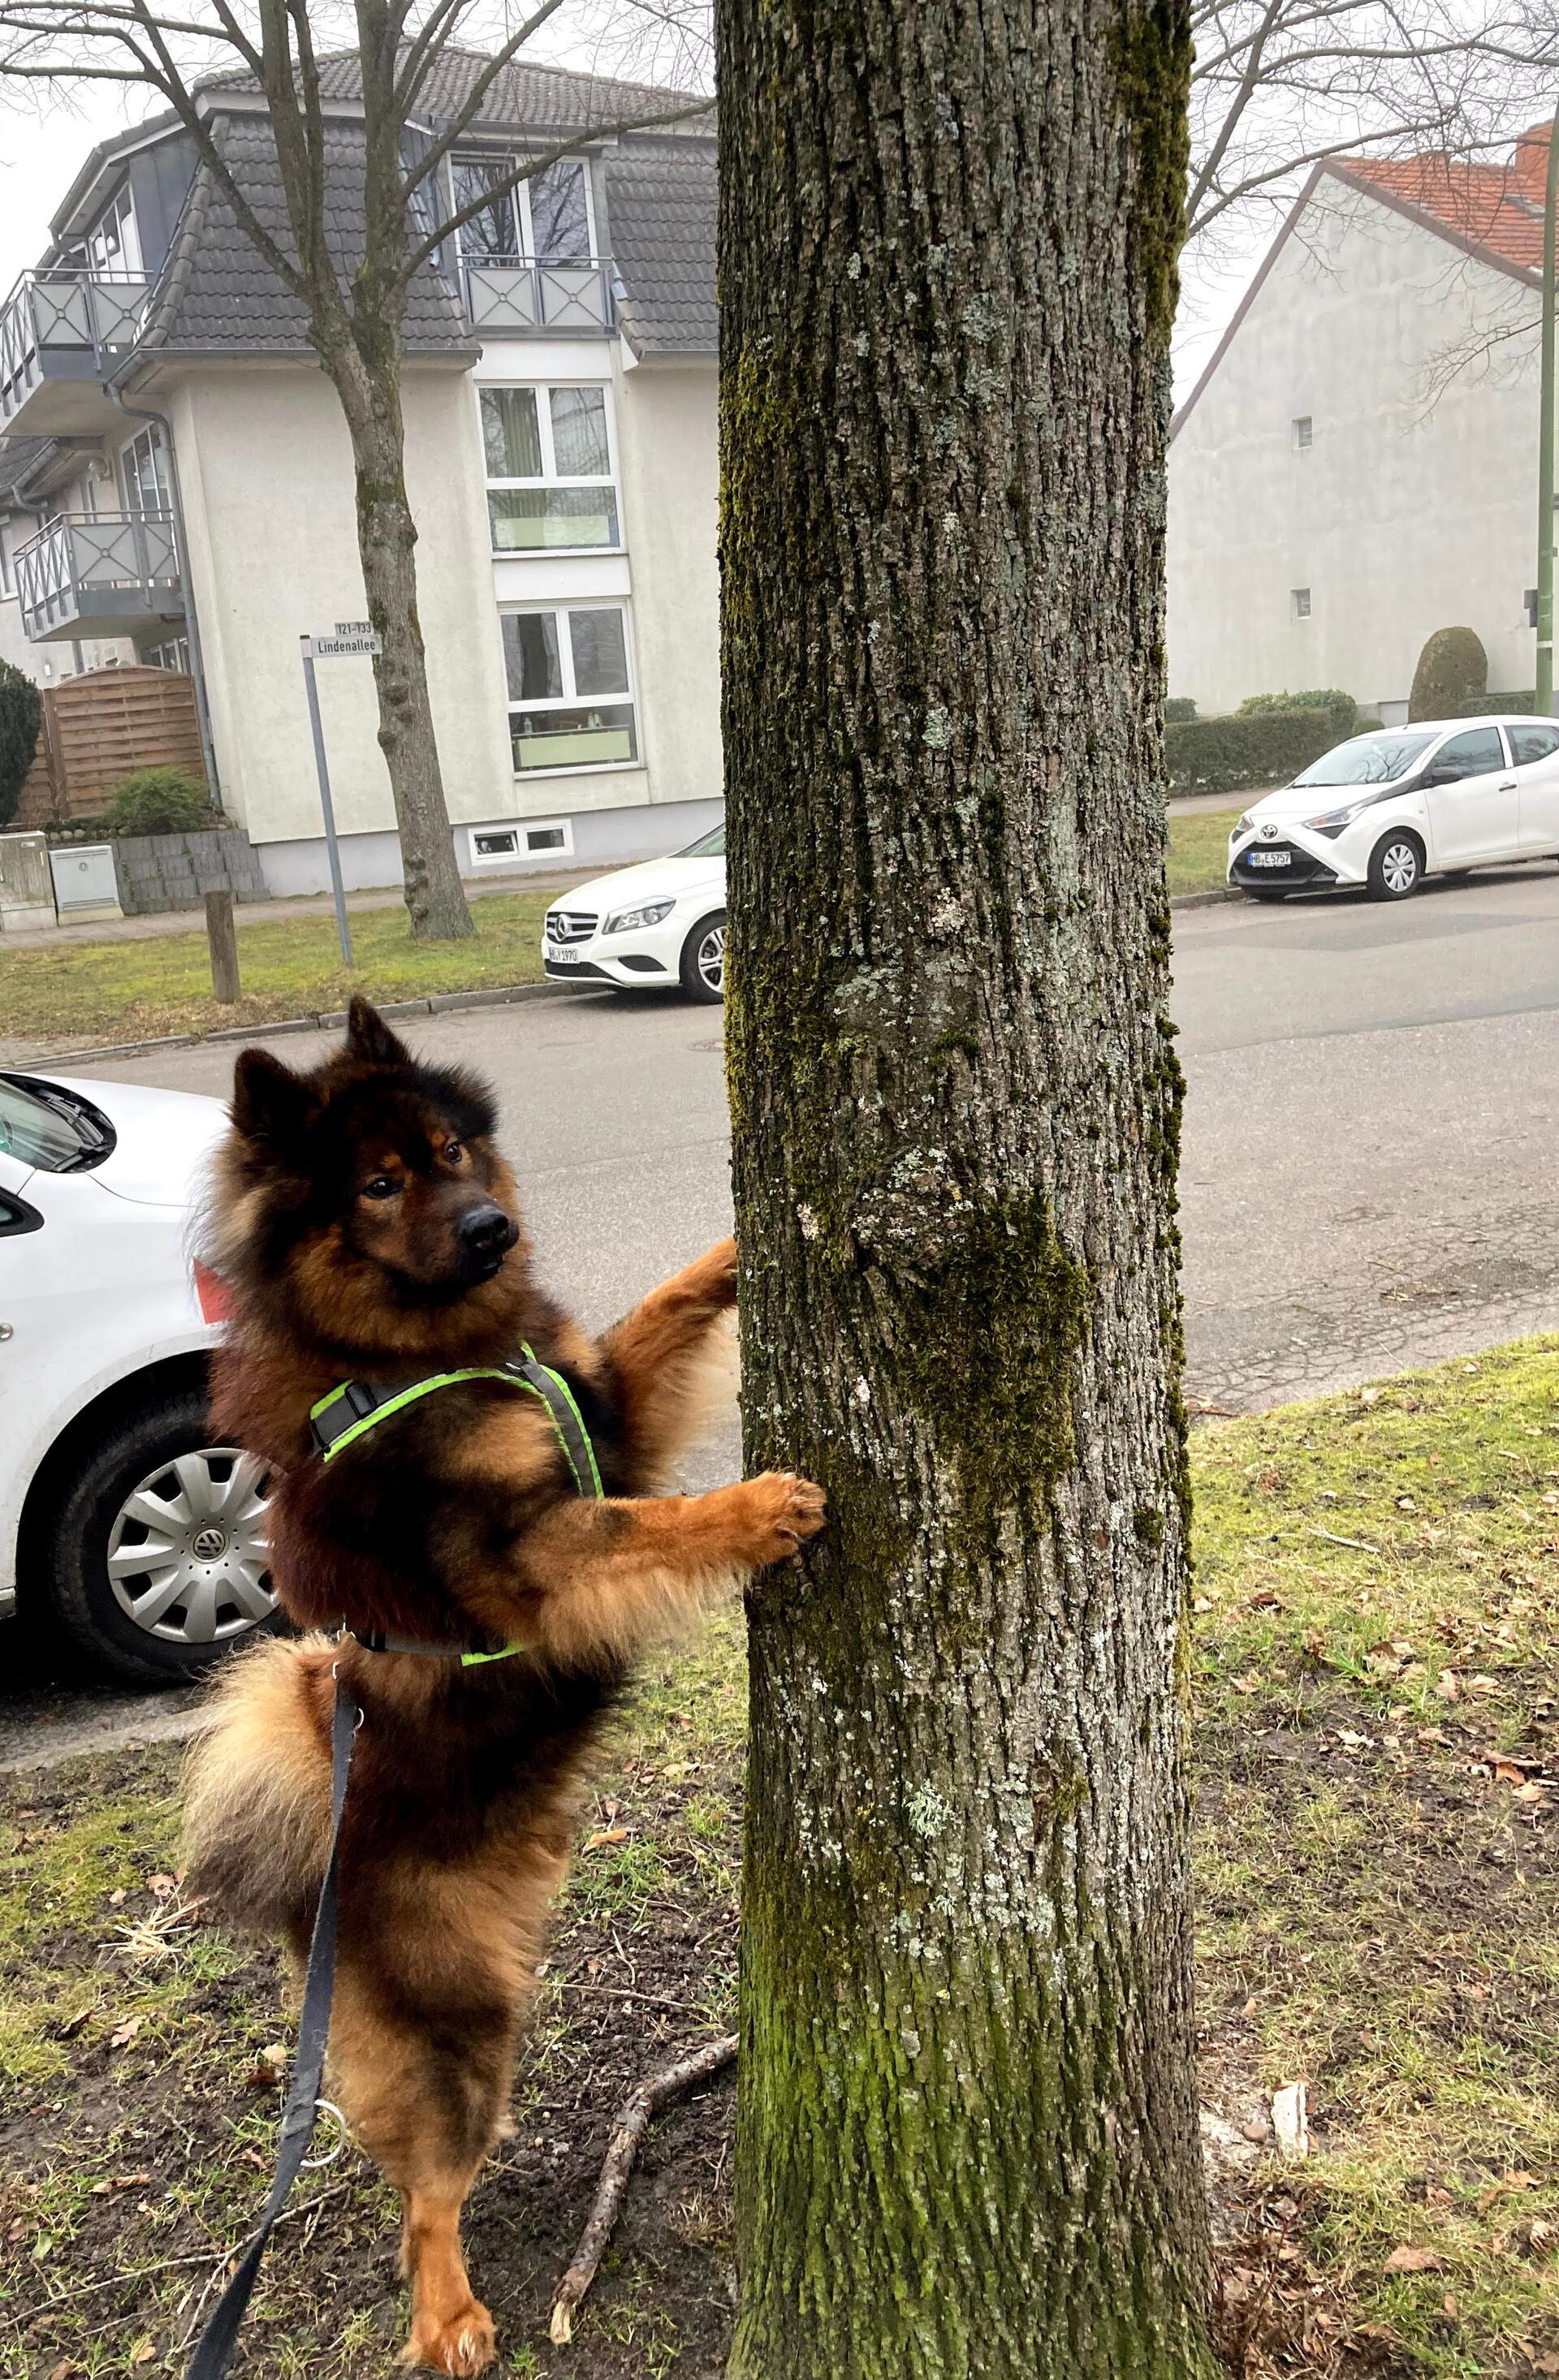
x: 659, y: 926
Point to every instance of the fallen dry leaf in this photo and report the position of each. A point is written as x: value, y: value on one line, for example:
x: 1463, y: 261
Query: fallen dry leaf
x: 1414, y: 2259
x: 1448, y: 1686
x: 126, y: 2033
x: 607, y: 1835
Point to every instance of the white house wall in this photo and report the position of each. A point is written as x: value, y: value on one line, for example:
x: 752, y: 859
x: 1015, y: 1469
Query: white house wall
x: 1410, y: 511
x: 668, y: 426
x: 266, y: 478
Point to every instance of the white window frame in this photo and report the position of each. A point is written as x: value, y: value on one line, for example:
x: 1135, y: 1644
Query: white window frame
x: 570, y: 700
x: 520, y: 198
x: 146, y: 446
x: 120, y: 211
x: 522, y: 847
x: 541, y: 390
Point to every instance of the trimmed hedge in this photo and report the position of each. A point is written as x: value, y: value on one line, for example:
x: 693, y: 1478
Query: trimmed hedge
x: 21, y: 715
x: 1332, y: 698
x: 1235, y: 755
x: 1453, y: 669
x: 1474, y: 705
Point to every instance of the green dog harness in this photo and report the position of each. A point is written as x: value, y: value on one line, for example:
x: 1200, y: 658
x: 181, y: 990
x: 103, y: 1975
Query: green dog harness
x: 350, y: 1411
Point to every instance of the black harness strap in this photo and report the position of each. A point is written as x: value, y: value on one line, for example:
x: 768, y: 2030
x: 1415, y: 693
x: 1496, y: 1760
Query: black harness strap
x: 213, y: 2349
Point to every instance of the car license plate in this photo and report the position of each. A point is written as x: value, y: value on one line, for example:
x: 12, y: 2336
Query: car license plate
x: 1268, y: 859
x: 560, y: 955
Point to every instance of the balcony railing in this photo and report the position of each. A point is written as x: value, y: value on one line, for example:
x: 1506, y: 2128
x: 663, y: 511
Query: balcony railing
x: 66, y: 323
x: 102, y: 573
x: 509, y: 295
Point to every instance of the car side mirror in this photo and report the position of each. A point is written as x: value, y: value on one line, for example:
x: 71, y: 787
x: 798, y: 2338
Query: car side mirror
x: 1447, y: 774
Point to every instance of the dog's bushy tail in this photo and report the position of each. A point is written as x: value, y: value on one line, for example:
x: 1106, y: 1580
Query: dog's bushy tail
x: 257, y: 1788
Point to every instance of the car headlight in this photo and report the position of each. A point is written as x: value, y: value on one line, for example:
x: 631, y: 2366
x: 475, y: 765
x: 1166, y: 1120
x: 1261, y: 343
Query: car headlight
x: 1247, y: 825
x: 1332, y: 822
x: 630, y: 921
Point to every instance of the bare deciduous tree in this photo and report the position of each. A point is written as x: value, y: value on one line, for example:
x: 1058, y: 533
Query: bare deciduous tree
x: 355, y: 307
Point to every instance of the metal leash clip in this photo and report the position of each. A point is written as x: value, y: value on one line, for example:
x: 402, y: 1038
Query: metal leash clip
x: 328, y: 2108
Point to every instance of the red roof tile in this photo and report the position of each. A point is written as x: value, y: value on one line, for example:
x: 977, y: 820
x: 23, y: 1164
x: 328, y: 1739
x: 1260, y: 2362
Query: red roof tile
x: 1500, y: 207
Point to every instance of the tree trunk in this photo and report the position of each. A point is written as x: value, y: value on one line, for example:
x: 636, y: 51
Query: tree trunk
x: 967, y: 2133
x: 368, y: 387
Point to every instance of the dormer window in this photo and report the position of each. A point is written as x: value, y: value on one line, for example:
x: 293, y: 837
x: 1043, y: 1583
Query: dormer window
x: 545, y: 219
x: 113, y: 244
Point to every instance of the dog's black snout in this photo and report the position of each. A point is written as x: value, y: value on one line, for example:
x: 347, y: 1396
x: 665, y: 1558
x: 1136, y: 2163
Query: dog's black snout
x: 487, y: 1231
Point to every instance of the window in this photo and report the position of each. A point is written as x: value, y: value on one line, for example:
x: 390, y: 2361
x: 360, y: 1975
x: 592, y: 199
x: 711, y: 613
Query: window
x: 1532, y: 743
x: 171, y: 654
x: 1473, y: 755
x: 561, y: 663
x: 113, y: 247
x: 144, y: 474
x: 1302, y: 430
x: 1299, y: 602
x: 708, y: 846
x: 7, y: 585
x: 549, y: 468
x: 545, y: 219
x: 504, y: 846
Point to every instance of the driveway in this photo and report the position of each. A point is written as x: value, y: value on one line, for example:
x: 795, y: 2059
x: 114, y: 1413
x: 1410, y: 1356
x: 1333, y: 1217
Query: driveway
x: 1368, y: 1174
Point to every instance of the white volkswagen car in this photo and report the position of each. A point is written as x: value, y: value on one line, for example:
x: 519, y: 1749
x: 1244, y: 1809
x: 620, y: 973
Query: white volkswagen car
x: 120, y: 1513
x: 660, y: 923
x: 1389, y: 808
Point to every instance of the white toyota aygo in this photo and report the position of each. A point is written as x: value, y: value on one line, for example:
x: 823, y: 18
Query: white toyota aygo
x: 1389, y: 808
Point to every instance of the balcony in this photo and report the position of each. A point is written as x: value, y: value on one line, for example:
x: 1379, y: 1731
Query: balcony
x: 62, y: 332
x: 99, y: 575
x: 509, y: 296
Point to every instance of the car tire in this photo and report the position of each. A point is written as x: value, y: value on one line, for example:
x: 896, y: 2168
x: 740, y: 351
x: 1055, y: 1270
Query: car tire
x: 702, y: 967
x: 1397, y: 866
x: 95, y: 1533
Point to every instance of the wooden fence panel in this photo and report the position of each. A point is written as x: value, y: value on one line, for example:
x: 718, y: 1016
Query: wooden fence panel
x: 107, y: 723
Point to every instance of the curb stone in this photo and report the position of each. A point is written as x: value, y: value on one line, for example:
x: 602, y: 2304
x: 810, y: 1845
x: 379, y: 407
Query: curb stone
x: 439, y: 1003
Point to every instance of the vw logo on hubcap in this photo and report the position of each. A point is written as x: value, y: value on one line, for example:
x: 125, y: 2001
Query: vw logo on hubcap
x: 209, y: 1544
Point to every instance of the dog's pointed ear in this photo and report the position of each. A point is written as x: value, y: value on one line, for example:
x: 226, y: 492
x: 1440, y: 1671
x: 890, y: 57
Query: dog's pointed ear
x: 269, y: 1102
x: 368, y: 1037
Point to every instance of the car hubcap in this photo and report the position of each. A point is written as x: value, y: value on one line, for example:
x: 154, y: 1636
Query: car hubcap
x: 187, y: 1555
x: 712, y: 958
x: 1400, y: 866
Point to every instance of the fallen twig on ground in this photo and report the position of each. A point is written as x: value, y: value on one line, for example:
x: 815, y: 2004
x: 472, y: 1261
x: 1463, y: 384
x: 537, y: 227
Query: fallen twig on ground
x: 633, y: 2118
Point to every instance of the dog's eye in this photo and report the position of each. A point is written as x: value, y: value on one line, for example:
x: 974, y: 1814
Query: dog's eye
x: 455, y: 1153
x: 380, y: 1187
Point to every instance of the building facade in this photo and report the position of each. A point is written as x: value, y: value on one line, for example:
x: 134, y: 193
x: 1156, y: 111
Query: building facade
x: 178, y: 485
x: 1357, y: 464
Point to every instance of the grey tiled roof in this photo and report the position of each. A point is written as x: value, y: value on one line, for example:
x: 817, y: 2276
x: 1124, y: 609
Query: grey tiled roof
x: 216, y: 291
x: 660, y: 203
x: 524, y: 96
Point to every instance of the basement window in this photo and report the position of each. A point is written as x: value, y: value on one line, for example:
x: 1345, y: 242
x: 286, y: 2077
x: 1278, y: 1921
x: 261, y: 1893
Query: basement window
x: 505, y: 846
x: 1299, y: 602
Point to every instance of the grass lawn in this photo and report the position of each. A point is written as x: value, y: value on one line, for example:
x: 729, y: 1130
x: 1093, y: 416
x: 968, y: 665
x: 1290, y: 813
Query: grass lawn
x: 1198, y: 849
x: 97, y: 992
x: 90, y: 992
x: 1377, y: 1598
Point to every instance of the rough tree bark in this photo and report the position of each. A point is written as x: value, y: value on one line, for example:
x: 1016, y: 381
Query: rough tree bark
x: 966, y: 2132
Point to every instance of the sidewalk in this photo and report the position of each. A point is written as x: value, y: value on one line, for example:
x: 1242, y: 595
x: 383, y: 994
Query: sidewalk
x: 257, y: 913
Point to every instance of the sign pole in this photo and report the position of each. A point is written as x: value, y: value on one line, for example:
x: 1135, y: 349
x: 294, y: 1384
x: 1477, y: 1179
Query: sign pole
x: 333, y: 855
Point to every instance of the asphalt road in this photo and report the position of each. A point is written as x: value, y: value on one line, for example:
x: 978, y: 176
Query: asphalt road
x: 1371, y: 1120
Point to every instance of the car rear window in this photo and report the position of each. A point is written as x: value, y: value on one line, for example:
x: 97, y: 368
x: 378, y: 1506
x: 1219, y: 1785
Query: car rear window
x: 708, y: 846
x: 43, y: 1124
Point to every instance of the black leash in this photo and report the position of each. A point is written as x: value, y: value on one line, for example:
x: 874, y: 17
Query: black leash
x: 213, y: 2349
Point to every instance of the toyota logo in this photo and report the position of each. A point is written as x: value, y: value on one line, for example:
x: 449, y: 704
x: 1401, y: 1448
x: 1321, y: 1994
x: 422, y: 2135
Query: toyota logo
x: 1268, y: 833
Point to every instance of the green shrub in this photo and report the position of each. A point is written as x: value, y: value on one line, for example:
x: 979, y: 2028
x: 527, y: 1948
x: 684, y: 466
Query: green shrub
x: 1363, y: 727
x: 1342, y: 708
x: 1179, y: 709
x: 161, y: 801
x: 21, y: 715
x: 1232, y: 755
x: 1452, y: 668
x: 1522, y: 705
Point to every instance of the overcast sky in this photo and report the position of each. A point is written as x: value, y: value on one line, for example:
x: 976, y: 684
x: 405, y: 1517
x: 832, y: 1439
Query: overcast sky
x: 41, y: 145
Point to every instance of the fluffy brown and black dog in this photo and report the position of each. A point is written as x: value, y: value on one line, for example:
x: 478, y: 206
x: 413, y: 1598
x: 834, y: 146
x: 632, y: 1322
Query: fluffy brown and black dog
x: 369, y: 1229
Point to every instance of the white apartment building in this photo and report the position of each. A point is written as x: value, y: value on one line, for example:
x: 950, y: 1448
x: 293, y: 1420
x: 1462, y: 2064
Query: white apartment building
x: 175, y: 481
x: 1356, y: 465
